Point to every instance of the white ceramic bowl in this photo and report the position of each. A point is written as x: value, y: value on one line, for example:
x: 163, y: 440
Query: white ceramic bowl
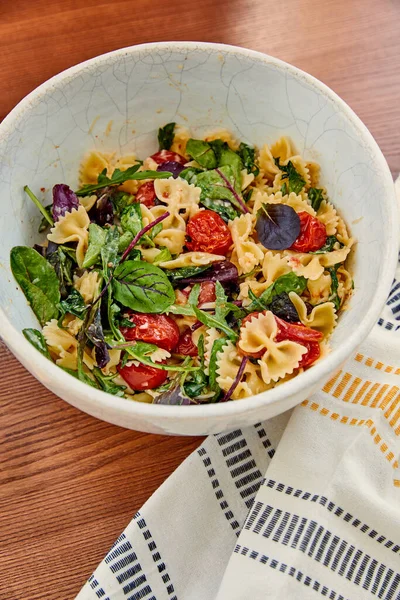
x: 117, y: 102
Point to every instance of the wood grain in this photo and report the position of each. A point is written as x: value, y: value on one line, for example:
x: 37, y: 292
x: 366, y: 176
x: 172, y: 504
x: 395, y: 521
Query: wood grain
x: 69, y: 483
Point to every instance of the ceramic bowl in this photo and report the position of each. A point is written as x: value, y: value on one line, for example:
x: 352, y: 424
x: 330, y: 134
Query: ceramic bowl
x: 117, y: 102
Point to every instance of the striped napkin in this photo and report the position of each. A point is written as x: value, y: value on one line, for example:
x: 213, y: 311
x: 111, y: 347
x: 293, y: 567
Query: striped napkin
x: 305, y: 505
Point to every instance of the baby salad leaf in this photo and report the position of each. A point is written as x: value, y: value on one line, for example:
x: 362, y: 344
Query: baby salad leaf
x: 62, y: 262
x: 44, y: 210
x: 315, y: 196
x: 37, y: 340
x: 334, y: 287
x: 185, y: 272
x: 64, y: 200
x: 202, y: 153
x: 219, y: 184
x: 278, y: 226
x: 107, y: 384
x: 131, y: 221
x: 175, y: 396
x: 284, y: 308
x: 96, y: 335
x: 38, y: 281
x: 331, y: 240
x: 166, y: 136
x: 222, y: 309
x: 229, y: 158
x: 222, y: 207
x: 120, y: 200
x: 190, y: 174
x: 45, y: 222
x: 142, y: 286
x: 109, y: 251
x: 102, y: 212
x: 73, y: 304
x: 295, y: 180
x: 247, y: 154
x: 141, y: 351
x: 119, y: 177
x: 163, y: 256
x: 223, y: 271
x: 290, y: 282
x: 213, y: 374
x: 97, y: 239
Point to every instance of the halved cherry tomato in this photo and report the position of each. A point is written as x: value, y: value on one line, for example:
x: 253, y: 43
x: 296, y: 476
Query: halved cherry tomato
x: 296, y: 332
x: 313, y: 352
x: 142, y: 377
x: 207, y: 292
x: 146, y: 194
x: 153, y: 329
x: 312, y: 234
x: 185, y: 345
x: 167, y: 156
x: 208, y: 232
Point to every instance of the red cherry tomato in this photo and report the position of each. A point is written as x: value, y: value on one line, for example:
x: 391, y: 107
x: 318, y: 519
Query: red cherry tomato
x: 296, y: 332
x: 146, y: 194
x: 167, y: 156
x: 142, y: 377
x: 207, y: 292
x: 153, y: 329
x: 185, y: 345
x: 312, y: 234
x: 313, y: 352
x: 208, y: 232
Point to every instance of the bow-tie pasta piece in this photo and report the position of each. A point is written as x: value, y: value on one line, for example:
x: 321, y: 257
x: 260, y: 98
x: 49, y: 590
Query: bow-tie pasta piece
x: 88, y: 285
x: 322, y: 317
x: 328, y: 216
x: 72, y: 227
x: 192, y: 259
x: 278, y: 358
x: 211, y: 335
x: 228, y: 363
x: 320, y: 289
x: 245, y: 254
x: 64, y: 347
x: 93, y: 164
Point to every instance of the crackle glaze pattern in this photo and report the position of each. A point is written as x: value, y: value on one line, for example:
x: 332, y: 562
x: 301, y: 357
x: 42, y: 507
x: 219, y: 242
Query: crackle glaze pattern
x: 117, y: 102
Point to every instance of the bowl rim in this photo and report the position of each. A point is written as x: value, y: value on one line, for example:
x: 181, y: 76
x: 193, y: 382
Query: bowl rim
x: 35, y: 361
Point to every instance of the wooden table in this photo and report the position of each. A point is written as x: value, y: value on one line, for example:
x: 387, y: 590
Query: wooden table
x: 70, y: 483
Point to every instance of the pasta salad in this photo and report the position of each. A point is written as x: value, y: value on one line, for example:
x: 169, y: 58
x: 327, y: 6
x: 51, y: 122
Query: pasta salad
x: 210, y: 271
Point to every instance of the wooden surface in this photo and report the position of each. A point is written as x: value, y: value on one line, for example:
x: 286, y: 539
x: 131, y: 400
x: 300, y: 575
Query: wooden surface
x: 69, y: 484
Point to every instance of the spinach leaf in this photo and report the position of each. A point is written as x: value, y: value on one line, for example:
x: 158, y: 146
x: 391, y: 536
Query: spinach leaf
x: 119, y: 177
x: 38, y: 280
x: 142, y: 286
x: 45, y: 223
x: 222, y: 207
x: 73, y: 304
x: 290, y: 282
x: 295, y: 180
x: 315, y: 197
x: 37, y: 340
x: 97, y: 239
x: 202, y: 153
x: 166, y: 136
x: 334, y: 286
x: 185, y: 272
x: 215, y: 187
x: 107, y: 384
x: 247, y: 154
x: 95, y: 334
x: 163, y: 256
x: 62, y: 263
x: 277, y: 226
x: 229, y: 158
x: 190, y: 174
x: 196, y: 384
x: 213, y: 374
x: 331, y: 240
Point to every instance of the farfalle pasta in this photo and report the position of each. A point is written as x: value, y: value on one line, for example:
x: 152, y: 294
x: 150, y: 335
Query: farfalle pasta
x: 209, y: 271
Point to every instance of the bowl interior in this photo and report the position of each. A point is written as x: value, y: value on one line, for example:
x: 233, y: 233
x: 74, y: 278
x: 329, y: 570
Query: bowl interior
x: 117, y: 102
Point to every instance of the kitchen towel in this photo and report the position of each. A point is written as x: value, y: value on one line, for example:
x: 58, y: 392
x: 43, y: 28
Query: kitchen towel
x: 303, y: 506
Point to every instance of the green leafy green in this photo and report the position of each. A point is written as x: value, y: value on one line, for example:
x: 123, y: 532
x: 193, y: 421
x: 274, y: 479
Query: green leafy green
x: 132, y: 222
x: 190, y: 174
x: 142, y: 286
x: 213, y: 374
x: 202, y: 153
x: 120, y: 200
x: 109, y: 251
x: 119, y: 177
x: 38, y: 280
x: 60, y: 259
x: 196, y: 384
x: 222, y: 309
x: 97, y: 238
x: 334, y: 297
x: 45, y: 223
x: 44, y: 210
x: 37, y: 340
x: 214, y: 187
x: 185, y: 272
x: 107, y: 384
x: 113, y: 311
x: 295, y: 180
x: 290, y: 282
x: 73, y: 304
x: 166, y: 136
x: 247, y: 154
x: 142, y: 351
x: 329, y: 245
x: 222, y: 207
x: 124, y: 241
x: 82, y: 340
x: 315, y: 196
x: 193, y: 298
x: 229, y: 158
x: 163, y: 256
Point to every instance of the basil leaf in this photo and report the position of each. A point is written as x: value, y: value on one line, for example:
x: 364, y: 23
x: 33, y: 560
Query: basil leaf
x: 37, y: 340
x: 290, y: 282
x: 284, y: 308
x: 119, y: 177
x: 142, y: 287
x: 202, y: 153
x: 38, y: 281
x: 96, y: 335
x: 331, y: 240
x: 247, y: 154
x: 295, y: 180
x: 97, y: 239
x: 185, y: 272
x: 315, y: 197
x: 73, y: 304
x: 277, y: 226
x: 107, y: 384
x: 213, y: 374
x: 222, y: 207
x: 60, y: 259
x: 166, y: 136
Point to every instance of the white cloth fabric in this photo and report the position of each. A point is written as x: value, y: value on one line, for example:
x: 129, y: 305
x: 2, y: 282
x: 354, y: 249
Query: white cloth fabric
x: 306, y: 505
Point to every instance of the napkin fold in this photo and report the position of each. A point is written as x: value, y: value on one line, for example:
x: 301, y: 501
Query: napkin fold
x: 305, y: 505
